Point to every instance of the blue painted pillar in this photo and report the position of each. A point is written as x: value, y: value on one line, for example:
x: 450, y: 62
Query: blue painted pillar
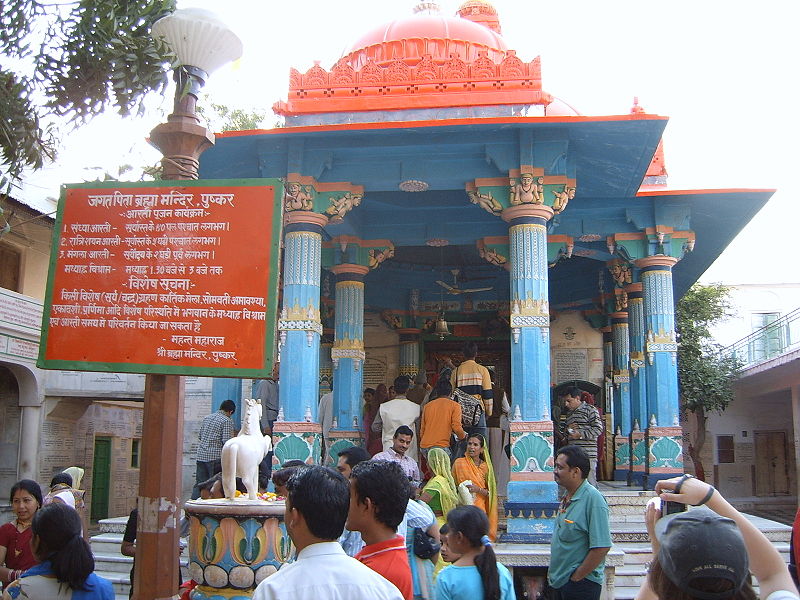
x: 664, y: 442
x: 325, y: 363
x: 532, y: 492
x: 297, y: 433
x: 639, y: 414
x: 227, y: 388
x: 348, y: 357
x: 621, y: 379
x: 409, y: 351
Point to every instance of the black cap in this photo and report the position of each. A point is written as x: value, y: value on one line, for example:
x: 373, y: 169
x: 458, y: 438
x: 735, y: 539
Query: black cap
x: 700, y: 543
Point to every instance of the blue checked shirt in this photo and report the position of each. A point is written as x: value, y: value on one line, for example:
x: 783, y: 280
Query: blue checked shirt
x: 217, y: 428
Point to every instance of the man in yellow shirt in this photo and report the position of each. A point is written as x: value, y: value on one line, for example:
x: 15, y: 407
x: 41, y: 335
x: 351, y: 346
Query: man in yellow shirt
x: 472, y: 378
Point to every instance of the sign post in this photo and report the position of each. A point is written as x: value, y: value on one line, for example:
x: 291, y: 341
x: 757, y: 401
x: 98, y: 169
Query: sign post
x: 166, y: 278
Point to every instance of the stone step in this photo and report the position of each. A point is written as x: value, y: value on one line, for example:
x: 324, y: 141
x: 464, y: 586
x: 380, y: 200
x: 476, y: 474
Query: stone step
x: 115, y: 563
x: 106, y: 543
x: 113, y: 524
x: 120, y: 581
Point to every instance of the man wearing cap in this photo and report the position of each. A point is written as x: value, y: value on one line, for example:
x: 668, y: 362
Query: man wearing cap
x: 707, y: 553
x: 581, y: 535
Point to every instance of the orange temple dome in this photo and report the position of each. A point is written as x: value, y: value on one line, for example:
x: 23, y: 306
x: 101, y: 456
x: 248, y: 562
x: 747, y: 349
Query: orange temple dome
x: 421, y: 62
x: 409, y: 39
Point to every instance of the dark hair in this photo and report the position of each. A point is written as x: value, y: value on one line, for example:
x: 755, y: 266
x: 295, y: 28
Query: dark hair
x: 576, y: 457
x: 443, y: 388
x: 369, y: 391
x: 61, y: 478
x: 403, y: 430
x: 354, y: 455
x: 58, y: 528
x: 29, y: 486
x: 444, y: 529
x: 228, y: 406
x: 470, y: 350
x: 293, y: 462
x: 322, y: 496
x: 481, y: 439
x: 665, y: 589
x: 209, y: 483
x: 385, y: 484
x: 282, y: 475
x: 401, y: 384
x: 573, y: 392
x: 473, y: 524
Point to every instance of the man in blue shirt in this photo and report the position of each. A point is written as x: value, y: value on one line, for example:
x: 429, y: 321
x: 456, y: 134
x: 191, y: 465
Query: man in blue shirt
x: 582, y: 536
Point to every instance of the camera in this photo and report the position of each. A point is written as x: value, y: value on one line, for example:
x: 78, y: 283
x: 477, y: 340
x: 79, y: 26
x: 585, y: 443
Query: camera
x: 669, y: 508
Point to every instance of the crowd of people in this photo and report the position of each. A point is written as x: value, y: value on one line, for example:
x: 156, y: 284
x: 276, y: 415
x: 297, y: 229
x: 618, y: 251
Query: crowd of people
x: 413, y: 514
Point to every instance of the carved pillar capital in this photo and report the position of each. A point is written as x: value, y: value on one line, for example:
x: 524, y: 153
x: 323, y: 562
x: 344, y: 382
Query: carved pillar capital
x: 656, y: 261
x: 535, y: 211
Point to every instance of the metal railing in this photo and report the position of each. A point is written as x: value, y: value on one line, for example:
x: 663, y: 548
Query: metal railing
x: 774, y: 339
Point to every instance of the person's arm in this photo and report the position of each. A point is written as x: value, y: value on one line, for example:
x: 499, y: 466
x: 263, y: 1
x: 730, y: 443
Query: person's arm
x: 377, y: 423
x: 227, y: 430
x: 128, y: 548
x: 423, y: 422
x: 455, y: 421
x: 594, y: 427
x: 765, y: 561
x: 487, y: 393
x: 6, y: 574
x: 590, y: 563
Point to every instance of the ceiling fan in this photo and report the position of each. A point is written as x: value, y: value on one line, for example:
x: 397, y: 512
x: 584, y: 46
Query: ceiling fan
x: 451, y: 289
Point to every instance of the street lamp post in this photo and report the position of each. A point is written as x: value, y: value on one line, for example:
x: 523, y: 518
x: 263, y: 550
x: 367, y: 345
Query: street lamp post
x: 202, y: 43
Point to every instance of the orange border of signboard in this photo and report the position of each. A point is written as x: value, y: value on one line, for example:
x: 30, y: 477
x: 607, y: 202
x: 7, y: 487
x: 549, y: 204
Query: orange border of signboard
x: 170, y: 277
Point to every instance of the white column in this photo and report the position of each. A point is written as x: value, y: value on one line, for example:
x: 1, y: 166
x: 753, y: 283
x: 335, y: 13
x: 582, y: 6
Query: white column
x: 29, y: 435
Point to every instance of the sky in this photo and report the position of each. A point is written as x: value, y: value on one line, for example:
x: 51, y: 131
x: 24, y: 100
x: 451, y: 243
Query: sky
x: 724, y: 72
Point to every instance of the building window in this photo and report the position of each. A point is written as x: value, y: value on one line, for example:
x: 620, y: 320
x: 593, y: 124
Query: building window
x: 135, y: 454
x: 770, y: 337
x: 725, y: 452
x: 10, y: 261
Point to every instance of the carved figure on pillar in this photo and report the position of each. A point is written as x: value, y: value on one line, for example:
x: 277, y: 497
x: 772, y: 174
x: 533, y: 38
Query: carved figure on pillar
x: 298, y: 197
x: 527, y: 190
x: 486, y: 201
x: 562, y: 198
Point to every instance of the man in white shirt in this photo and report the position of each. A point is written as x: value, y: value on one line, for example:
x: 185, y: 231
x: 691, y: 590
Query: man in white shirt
x: 397, y: 412
x: 316, y: 510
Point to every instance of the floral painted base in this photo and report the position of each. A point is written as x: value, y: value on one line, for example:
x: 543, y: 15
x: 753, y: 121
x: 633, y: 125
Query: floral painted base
x: 296, y: 441
x: 532, y: 447
x: 622, y: 458
x: 664, y: 453
x: 234, y: 545
x: 340, y: 440
x: 638, y: 457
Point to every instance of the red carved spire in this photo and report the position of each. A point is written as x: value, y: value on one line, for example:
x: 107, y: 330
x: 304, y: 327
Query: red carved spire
x: 481, y: 12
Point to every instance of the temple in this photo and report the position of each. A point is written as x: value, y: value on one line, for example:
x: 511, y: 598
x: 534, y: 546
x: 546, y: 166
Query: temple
x: 436, y: 193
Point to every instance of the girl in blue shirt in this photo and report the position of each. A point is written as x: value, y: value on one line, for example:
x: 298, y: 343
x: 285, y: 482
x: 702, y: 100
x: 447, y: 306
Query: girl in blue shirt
x: 476, y: 575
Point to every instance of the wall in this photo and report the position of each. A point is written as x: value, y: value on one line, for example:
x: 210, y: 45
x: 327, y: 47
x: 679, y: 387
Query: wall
x: 747, y: 299
x: 742, y: 419
x: 382, y: 347
x: 576, y: 350
x: 9, y: 431
x: 68, y: 433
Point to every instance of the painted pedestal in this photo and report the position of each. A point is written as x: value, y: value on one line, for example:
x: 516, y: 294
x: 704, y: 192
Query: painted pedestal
x: 233, y: 546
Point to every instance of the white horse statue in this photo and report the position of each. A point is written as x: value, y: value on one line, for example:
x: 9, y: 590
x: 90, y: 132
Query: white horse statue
x: 242, y: 454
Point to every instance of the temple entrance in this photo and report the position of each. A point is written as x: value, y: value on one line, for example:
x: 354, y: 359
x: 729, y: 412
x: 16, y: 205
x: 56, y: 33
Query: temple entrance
x: 605, y: 449
x: 491, y: 354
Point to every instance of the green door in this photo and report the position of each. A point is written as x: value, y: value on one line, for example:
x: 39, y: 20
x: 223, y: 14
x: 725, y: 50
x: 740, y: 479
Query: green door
x: 101, y: 478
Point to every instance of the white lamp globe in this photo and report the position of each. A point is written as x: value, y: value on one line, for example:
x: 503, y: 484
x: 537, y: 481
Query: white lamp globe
x: 198, y: 38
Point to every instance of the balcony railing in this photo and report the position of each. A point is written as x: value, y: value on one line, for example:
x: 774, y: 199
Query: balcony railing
x: 772, y: 340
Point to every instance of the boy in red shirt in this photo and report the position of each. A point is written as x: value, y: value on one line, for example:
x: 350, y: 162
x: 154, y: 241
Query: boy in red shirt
x: 379, y: 493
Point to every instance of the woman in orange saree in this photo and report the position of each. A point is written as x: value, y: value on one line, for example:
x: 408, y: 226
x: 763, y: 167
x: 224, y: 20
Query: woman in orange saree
x: 476, y: 467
